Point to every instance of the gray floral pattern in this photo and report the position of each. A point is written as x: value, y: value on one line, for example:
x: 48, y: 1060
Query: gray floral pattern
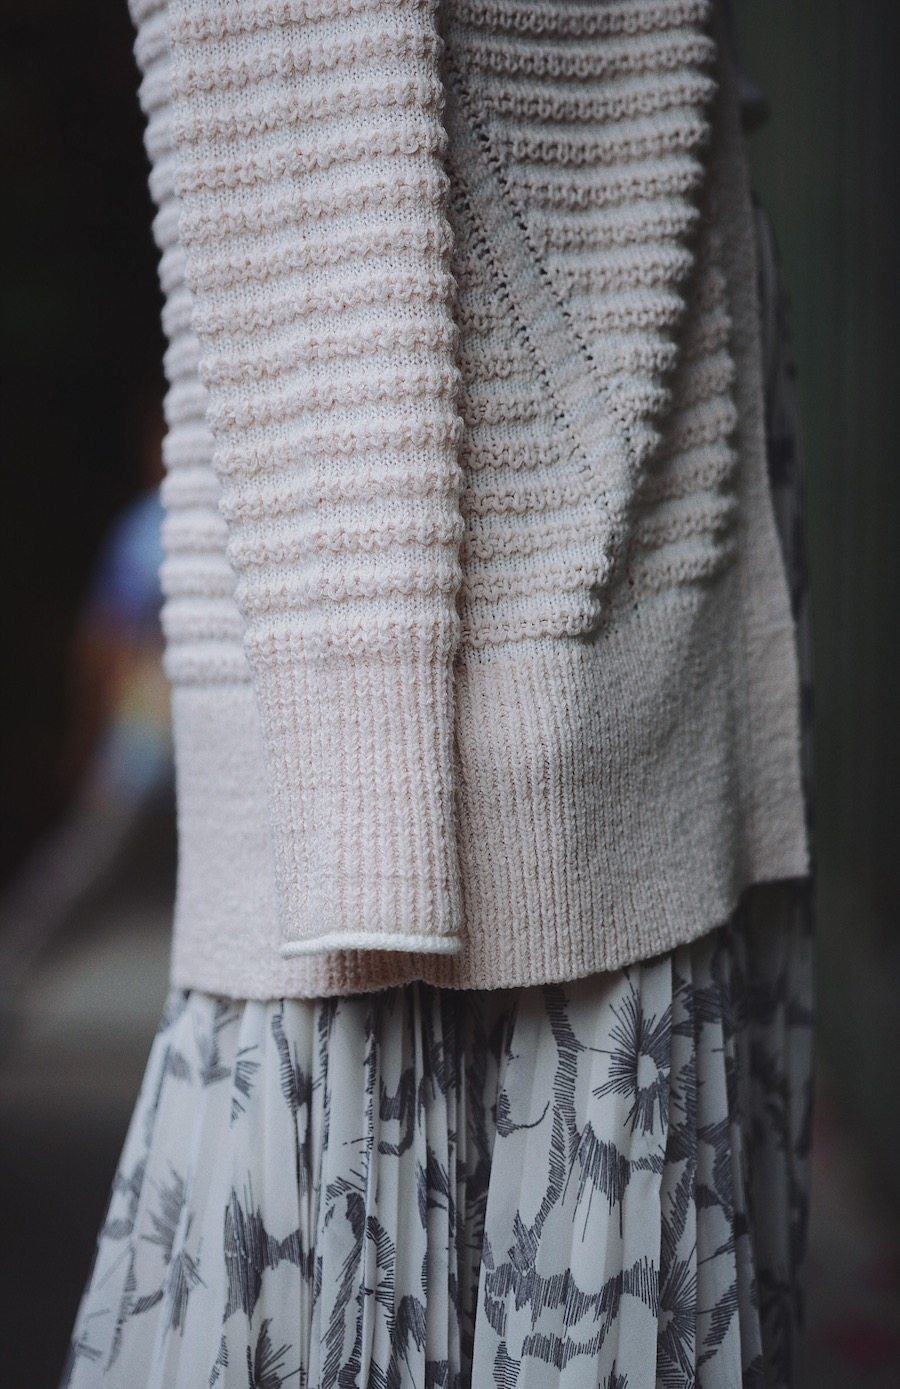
x: 601, y: 1183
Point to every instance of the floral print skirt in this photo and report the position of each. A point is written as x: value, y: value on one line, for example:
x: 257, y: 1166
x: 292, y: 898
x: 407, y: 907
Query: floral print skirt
x: 591, y: 1184
x: 601, y: 1183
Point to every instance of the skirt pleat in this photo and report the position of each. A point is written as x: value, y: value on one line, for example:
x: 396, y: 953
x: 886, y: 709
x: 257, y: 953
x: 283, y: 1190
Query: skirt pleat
x: 678, y: 1274
x: 600, y: 1183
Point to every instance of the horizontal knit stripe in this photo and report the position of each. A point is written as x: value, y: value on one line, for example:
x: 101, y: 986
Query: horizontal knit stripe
x: 371, y: 341
x: 561, y: 538
x: 292, y: 590
x: 158, y: 137
x: 490, y: 448
x: 197, y: 576
x: 555, y: 20
x: 162, y: 178
x: 380, y: 437
x: 609, y: 59
x: 151, y: 42
x: 390, y: 389
x: 289, y: 545
x: 690, y: 516
x: 646, y: 262
x: 182, y: 357
x: 287, y: 497
x: 185, y: 402
x: 514, y: 498
x: 628, y: 99
x: 207, y: 666
x: 696, y: 470
x: 177, y: 312
x: 670, y: 176
x: 292, y: 161
x: 567, y: 574
x: 211, y: 21
x: 155, y: 91
x: 406, y: 190
x: 194, y: 531
x: 286, y: 260
x: 272, y: 112
x: 615, y: 227
x: 191, y: 622
x: 190, y: 487
x: 188, y: 446
x: 705, y: 378
x: 330, y: 300
x: 554, y: 617
x: 690, y: 429
x: 285, y: 60
x: 426, y: 635
x: 674, y: 132
x: 142, y: 12
x: 651, y: 266
x: 673, y: 567
x: 502, y: 410
x: 165, y: 225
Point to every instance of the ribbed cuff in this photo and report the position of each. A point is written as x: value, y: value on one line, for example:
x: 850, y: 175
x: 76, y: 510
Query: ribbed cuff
x: 359, y: 757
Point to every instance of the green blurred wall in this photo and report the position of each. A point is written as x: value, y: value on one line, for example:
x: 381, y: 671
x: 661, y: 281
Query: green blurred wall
x: 825, y: 164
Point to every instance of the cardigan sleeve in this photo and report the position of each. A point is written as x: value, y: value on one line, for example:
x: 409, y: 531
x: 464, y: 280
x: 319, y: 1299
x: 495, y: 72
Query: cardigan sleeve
x: 309, y: 144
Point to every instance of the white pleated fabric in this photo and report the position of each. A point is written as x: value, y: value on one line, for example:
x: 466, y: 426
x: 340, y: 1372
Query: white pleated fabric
x: 600, y: 1183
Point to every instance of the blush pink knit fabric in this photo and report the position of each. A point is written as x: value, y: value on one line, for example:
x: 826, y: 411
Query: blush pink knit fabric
x: 480, y: 643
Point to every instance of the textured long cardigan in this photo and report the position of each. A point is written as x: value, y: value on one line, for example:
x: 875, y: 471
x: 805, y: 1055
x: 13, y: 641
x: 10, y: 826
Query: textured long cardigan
x: 482, y: 660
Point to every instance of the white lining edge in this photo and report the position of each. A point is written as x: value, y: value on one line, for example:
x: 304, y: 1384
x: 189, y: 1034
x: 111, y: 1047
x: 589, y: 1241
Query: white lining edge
x: 372, y: 940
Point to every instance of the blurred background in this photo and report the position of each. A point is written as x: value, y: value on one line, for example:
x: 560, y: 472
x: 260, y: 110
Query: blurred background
x: 88, y: 849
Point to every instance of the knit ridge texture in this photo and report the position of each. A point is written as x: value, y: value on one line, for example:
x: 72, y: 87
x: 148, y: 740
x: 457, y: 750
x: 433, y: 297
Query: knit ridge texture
x: 479, y: 636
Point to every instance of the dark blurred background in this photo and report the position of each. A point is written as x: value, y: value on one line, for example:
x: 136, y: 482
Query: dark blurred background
x: 87, y: 854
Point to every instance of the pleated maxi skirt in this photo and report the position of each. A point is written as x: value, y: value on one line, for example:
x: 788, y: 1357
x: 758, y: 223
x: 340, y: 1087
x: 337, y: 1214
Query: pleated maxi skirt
x: 595, y: 1184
